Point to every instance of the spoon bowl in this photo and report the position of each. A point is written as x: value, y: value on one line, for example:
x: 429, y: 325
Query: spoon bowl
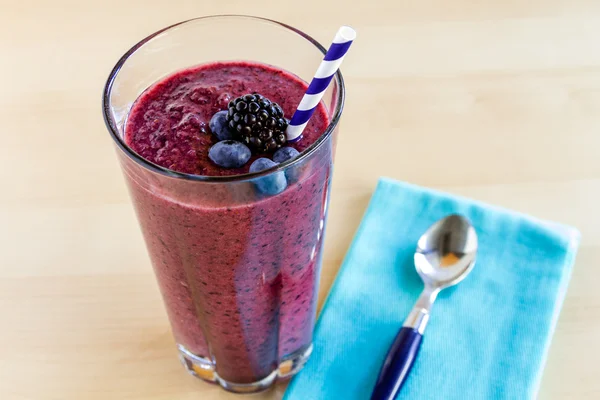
x: 446, y: 252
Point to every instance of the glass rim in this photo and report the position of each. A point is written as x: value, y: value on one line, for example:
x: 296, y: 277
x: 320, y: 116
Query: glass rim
x: 114, y: 131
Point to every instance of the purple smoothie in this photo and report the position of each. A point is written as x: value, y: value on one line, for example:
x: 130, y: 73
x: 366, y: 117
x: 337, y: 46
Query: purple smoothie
x: 238, y: 270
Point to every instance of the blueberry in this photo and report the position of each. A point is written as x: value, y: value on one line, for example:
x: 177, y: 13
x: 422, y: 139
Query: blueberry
x: 229, y: 154
x: 270, y: 184
x: 284, y: 154
x: 218, y: 126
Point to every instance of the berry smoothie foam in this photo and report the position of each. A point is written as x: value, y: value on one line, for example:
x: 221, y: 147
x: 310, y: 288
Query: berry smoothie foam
x: 238, y: 269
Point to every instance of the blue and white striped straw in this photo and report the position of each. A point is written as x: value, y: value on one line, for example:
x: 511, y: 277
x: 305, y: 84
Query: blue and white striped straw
x: 329, y: 66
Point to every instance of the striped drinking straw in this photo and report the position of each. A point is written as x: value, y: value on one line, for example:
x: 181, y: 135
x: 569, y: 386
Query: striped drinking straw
x: 329, y: 66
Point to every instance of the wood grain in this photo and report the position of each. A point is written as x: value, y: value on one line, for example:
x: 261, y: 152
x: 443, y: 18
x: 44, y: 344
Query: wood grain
x: 495, y: 100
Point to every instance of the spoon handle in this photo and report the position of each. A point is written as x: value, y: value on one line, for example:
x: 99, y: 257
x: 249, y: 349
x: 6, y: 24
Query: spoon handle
x: 397, y: 365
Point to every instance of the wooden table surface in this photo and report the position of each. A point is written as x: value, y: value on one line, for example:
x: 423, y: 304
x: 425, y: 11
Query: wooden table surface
x: 496, y: 100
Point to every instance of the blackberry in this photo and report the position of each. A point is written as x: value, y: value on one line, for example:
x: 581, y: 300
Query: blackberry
x: 258, y: 122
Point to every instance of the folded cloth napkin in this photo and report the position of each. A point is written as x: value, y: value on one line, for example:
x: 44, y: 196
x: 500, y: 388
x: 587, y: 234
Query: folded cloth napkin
x: 487, y: 337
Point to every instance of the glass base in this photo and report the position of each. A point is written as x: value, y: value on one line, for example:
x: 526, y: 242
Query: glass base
x: 204, y: 368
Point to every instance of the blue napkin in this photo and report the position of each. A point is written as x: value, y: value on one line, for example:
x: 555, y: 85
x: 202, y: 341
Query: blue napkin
x: 487, y: 337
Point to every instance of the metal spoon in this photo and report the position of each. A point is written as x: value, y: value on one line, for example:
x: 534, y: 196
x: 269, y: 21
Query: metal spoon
x: 445, y: 255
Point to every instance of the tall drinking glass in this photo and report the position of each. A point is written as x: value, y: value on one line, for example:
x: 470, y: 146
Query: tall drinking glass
x: 238, y: 269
